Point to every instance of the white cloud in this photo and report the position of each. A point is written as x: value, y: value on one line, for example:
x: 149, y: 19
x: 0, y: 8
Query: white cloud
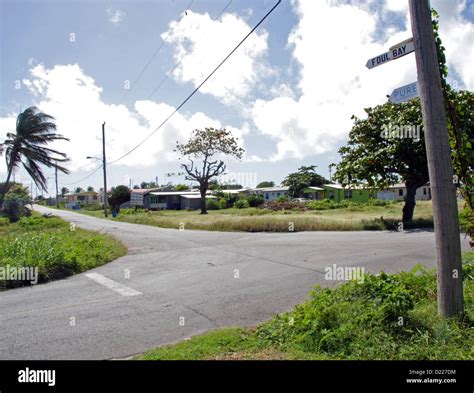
x: 332, y: 43
x: 209, y: 42
x: 397, y: 5
x: 115, y: 16
x: 74, y: 99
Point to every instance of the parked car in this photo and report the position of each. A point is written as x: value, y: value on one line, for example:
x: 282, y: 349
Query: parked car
x: 300, y: 200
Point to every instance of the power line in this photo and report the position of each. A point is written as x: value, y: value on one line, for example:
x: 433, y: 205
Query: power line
x: 200, y: 85
x: 84, y: 178
x: 182, y: 58
x: 150, y: 61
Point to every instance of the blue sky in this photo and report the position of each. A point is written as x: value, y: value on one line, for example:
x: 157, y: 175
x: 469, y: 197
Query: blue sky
x: 287, y: 93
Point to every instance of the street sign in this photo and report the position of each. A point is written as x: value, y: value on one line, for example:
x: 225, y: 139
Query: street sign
x: 404, y: 93
x: 395, y: 52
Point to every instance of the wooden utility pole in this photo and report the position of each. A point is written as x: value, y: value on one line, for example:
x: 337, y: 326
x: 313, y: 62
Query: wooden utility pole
x: 445, y: 211
x: 56, y: 179
x: 104, y: 165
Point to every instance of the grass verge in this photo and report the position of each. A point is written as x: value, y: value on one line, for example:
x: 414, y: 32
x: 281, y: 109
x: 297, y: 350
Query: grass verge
x: 55, y: 247
x: 353, y: 218
x: 387, y: 317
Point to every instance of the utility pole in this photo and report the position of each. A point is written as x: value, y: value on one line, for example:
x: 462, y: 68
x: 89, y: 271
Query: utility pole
x: 56, y: 178
x: 445, y: 211
x: 104, y: 165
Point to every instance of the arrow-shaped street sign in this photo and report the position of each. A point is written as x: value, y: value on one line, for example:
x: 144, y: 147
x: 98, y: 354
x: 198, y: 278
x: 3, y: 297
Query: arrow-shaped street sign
x: 395, y: 52
x: 405, y: 93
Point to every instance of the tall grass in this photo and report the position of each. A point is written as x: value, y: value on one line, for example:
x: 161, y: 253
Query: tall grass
x: 55, y: 248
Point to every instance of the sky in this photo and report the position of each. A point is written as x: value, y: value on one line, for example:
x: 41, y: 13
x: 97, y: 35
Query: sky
x: 287, y: 93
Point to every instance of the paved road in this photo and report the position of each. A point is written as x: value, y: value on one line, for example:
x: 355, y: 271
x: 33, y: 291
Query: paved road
x: 185, y: 276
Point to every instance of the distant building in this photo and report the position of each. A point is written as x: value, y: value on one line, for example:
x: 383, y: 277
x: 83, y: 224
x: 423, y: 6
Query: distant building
x: 84, y: 197
x: 397, y: 192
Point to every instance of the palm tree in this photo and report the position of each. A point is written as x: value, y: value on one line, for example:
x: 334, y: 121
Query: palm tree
x: 34, y: 129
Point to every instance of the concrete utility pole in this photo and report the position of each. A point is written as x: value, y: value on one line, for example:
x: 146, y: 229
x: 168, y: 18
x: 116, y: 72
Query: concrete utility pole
x: 56, y: 179
x: 104, y: 165
x: 445, y: 211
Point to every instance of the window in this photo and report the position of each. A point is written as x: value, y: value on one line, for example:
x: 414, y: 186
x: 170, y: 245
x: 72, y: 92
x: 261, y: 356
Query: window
x: 400, y: 192
x: 347, y: 194
x: 266, y: 195
x: 278, y: 194
x: 424, y: 191
x: 331, y: 194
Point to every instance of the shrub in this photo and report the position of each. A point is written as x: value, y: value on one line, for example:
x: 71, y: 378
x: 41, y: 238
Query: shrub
x: 15, y: 208
x: 242, y: 204
x: 223, y: 203
x: 282, y: 199
x: 213, y: 204
x: 255, y: 200
x: 284, y: 205
x: 4, y: 221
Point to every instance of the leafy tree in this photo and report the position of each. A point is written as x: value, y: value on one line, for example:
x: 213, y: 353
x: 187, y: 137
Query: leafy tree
x: 265, y: 184
x: 371, y: 157
x: 64, y: 191
x: 26, y: 147
x: 78, y: 190
x: 16, y: 203
x: 181, y: 187
x: 90, y: 189
x: 206, y: 146
x: 117, y: 196
x: 305, y: 176
x: 148, y: 185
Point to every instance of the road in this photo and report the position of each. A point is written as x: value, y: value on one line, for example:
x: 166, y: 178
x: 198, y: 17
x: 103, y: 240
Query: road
x: 174, y: 284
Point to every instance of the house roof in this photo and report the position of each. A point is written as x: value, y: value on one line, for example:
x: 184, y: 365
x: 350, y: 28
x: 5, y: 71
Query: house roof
x: 163, y: 193
x: 234, y: 191
x: 198, y: 196
x: 350, y: 187
x: 315, y: 188
x: 271, y: 189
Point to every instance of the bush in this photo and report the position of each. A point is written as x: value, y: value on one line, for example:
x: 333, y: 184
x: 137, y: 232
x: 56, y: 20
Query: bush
x: 385, y: 317
x: 15, y: 208
x: 213, y: 204
x: 4, y: 221
x: 255, y: 200
x: 282, y: 199
x: 285, y: 205
x: 223, y: 203
x: 242, y: 204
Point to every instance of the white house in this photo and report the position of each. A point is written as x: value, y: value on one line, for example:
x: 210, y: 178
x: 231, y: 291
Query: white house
x: 397, y: 192
x: 270, y: 193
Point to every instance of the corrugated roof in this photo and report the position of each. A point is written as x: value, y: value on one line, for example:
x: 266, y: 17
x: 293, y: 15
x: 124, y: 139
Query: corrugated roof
x: 198, y: 196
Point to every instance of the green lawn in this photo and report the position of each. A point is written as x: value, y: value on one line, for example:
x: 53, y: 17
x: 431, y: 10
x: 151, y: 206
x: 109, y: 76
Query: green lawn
x: 388, y: 317
x: 363, y: 217
x: 53, y: 246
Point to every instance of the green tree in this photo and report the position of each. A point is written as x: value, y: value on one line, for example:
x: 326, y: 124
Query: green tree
x: 16, y: 203
x: 77, y: 190
x: 373, y: 156
x: 27, y: 147
x: 207, y: 146
x: 181, y: 187
x: 305, y: 176
x: 90, y: 189
x: 380, y: 161
x: 265, y: 184
x: 64, y: 191
x: 117, y: 196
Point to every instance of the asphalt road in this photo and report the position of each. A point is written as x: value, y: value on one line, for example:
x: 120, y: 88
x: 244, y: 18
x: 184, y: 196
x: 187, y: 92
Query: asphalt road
x: 182, y: 283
